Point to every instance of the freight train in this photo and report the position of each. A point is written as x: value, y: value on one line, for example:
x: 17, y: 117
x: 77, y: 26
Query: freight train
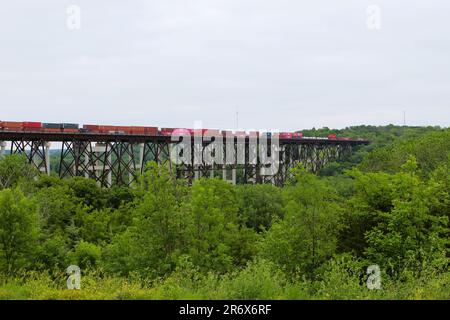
x: 12, y: 126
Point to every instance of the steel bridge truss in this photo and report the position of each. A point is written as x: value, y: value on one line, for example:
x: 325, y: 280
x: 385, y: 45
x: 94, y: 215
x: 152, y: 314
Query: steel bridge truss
x: 119, y: 161
x: 36, y: 152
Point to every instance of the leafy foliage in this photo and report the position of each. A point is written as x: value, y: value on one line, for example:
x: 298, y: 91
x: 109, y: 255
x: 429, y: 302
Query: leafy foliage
x: 307, y: 236
x: 18, y: 230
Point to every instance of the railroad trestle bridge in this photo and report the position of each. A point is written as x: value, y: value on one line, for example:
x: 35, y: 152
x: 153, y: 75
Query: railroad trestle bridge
x: 115, y: 159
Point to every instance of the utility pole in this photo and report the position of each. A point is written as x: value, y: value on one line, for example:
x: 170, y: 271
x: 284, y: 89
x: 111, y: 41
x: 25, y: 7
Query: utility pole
x: 237, y: 118
x: 404, y: 118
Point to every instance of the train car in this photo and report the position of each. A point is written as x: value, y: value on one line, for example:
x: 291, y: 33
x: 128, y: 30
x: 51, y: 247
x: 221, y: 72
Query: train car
x: 60, y: 127
x: 286, y: 135
x: 240, y: 134
x: 151, y: 131
x: 70, y: 127
x: 107, y: 129
x: 31, y: 126
x: 166, y: 131
x: 297, y: 135
x: 253, y: 134
x: 212, y: 132
x: 182, y: 132
x: 137, y: 130
x: 91, y: 128
x: 198, y: 132
x: 51, y: 127
x: 123, y: 130
x: 332, y: 136
x: 12, y: 126
x: 228, y: 133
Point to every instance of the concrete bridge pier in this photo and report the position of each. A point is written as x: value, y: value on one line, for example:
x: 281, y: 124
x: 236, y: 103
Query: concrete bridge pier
x: 225, y: 175
x: 2, y: 148
x: 196, y: 172
x: 47, y: 146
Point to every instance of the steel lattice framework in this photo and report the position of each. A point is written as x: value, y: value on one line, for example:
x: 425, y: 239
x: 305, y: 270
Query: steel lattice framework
x: 113, y: 159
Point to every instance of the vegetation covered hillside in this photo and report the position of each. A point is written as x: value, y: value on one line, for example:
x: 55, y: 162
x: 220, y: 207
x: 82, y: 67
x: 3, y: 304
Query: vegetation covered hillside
x: 381, y: 137
x: 386, y: 205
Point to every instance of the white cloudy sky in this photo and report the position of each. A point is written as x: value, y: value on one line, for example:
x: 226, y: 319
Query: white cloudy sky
x: 285, y: 64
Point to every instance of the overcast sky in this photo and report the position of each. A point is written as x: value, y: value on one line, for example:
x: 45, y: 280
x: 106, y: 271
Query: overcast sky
x: 284, y: 64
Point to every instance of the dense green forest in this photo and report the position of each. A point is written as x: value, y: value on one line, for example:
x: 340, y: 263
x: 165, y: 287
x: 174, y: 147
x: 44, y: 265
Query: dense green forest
x: 387, y: 204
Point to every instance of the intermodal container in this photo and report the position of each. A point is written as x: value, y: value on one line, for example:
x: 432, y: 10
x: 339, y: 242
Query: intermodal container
x: 13, y: 124
x: 285, y: 135
x: 137, y: 130
x: 92, y: 127
x: 32, y: 125
x: 181, y: 131
x: 151, y: 131
x: 70, y: 125
x: 166, y: 131
x: 332, y: 136
x: 212, y: 132
x: 126, y: 129
x: 51, y: 125
x: 107, y: 129
x: 297, y: 135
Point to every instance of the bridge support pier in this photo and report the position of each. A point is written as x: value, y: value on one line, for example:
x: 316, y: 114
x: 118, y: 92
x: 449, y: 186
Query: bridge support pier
x: 225, y: 175
x: 98, y: 164
x: 196, y: 172
x: 46, y: 168
x: 140, y: 165
x: 2, y: 148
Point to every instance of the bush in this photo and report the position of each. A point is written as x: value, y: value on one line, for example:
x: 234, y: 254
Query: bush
x: 86, y: 255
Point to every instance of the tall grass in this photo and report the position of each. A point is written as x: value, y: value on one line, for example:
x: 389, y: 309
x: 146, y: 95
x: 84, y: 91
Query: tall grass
x: 260, y: 280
